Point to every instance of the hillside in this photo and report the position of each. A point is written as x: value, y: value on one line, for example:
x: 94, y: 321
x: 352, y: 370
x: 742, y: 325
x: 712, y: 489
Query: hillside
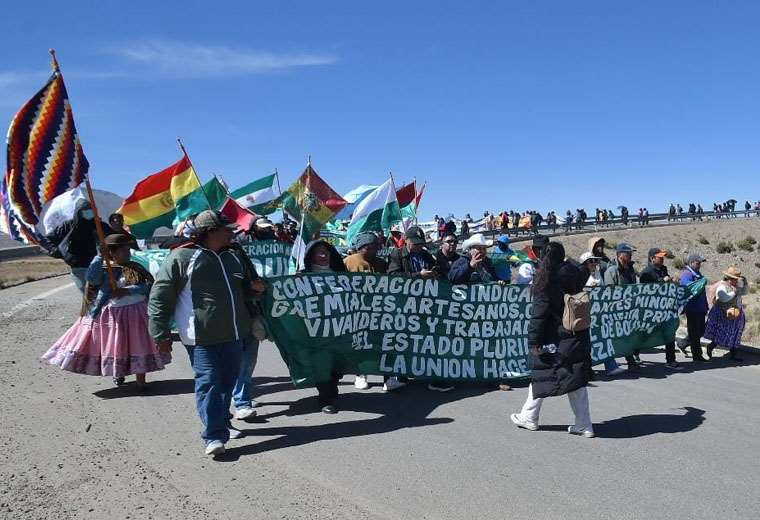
x: 701, y: 237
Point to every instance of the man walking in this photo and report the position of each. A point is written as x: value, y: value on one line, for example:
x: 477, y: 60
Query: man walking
x: 203, y: 287
x: 696, y: 308
x: 621, y: 272
x: 657, y: 272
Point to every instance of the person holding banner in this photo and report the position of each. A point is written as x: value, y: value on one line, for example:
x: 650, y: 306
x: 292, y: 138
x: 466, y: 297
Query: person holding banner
x: 321, y: 257
x: 696, y: 308
x: 621, y: 272
x: 111, y: 338
x: 561, y: 358
x: 365, y: 260
x: 447, y: 255
x: 657, y: 272
x: 203, y: 287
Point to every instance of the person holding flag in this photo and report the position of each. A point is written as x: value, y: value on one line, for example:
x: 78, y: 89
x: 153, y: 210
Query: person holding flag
x: 111, y: 337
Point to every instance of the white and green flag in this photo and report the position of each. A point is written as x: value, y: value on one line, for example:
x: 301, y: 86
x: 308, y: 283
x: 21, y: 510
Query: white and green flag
x: 260, y: 196
x: 377, y: 211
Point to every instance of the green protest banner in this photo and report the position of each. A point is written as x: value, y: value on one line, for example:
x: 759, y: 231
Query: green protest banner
x: 270, y: 257
x: 360, y: 323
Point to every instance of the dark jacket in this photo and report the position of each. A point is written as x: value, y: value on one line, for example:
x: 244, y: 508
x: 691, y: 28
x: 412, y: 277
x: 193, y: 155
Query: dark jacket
x: 76, y: 241
x: 462, y: 272
x: 336, y: 261
x: 444, y: 262
x: 653, y: 274
x: 400, y: 263
x: 569, y: 368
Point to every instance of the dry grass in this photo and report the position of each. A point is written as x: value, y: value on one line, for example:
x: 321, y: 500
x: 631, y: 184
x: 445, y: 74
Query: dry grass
x: 17, y: 270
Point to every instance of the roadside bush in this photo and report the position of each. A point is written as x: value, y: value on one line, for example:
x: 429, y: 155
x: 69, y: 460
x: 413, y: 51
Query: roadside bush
x: 724, y: 248
x: 702, y: 240
x: 757, y: 264
x: 750, y: 240
x: 745, y: 245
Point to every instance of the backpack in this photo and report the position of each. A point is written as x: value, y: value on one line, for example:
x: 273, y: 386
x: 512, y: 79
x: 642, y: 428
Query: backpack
x: 577, y: 314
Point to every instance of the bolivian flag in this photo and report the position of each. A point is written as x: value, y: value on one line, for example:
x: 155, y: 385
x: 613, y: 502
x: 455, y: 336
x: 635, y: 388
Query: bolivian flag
x: 164, y: 198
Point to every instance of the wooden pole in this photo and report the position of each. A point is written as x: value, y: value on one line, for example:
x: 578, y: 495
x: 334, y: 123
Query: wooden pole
x: 98, y: 226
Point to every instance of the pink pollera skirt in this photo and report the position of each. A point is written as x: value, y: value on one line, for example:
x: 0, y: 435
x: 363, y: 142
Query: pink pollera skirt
x: 115, y: 343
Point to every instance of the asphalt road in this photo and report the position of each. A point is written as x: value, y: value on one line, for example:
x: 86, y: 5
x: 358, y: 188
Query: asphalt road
x: 669, y: 445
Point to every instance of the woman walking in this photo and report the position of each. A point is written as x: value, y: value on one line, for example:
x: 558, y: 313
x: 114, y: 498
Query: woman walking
x: 561, y: 358
x: 726, y: 319
x: 111, y: 337
x: 321, y: 257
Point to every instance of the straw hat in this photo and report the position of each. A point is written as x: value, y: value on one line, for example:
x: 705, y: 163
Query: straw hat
x: 733, y: 272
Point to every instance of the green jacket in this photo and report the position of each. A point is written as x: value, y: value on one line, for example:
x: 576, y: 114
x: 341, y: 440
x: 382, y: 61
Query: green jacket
x: 205, y: 294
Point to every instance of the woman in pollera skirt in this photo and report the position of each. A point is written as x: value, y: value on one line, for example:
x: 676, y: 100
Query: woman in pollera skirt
x: 726, y: 319
x: 111, y: 337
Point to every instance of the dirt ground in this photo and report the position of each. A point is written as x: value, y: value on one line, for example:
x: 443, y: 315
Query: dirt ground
x: 27, y: 269
x: 703, y: 238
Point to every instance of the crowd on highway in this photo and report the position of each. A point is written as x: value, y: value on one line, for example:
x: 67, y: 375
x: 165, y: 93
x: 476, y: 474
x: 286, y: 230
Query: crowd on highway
x: 207, y: 289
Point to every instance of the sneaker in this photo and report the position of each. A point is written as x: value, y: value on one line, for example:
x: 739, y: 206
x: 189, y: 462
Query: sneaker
x: 235, y: 433
x: 520, y: 423
x: 360, y: 383
x: 616, y: 371
x: 215, y: 448
x: 245, y: 412
x: 255, y: 404
x: 393, y: 384
x: 673, y: 366
x: 504, y: 387
x: 683, y: 350
x: 330, y: 409
x: 440, y: 388
x: 574, y: 430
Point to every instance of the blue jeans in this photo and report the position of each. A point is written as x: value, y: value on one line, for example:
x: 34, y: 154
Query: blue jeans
x: 216, y: 368
x: 610, y: 364
x: 241, y: 395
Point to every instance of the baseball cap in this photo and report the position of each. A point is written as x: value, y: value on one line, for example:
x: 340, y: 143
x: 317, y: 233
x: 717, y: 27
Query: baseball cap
x: 624, y: 247
x: 503, y: 240
x: 415, y: 236
x: 695, y: 257
x: 656, y: 251
x: 540, y: 241
x: 211, y: 219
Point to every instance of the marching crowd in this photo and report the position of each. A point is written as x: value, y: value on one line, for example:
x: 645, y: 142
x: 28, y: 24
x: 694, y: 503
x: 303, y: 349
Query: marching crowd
x: 208, y: 290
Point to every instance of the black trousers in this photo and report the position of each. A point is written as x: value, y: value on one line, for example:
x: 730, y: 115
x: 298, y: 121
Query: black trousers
x: 695, y: 325
x: 670, y: 352
x: 328, y: 390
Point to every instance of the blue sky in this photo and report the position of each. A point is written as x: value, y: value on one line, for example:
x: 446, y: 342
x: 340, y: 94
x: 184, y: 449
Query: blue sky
x: 497, y: 105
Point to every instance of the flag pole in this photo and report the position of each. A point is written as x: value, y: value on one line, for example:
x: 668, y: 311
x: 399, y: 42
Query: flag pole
x: 205, y: 195
x: 277, y: 177
x: 91, y: 196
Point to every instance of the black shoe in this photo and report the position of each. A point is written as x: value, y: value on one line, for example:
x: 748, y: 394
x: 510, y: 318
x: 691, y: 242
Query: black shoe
x: 118, y: 381
x: 710, y: 349
x: 330, y: 408
x: 699, y: 359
